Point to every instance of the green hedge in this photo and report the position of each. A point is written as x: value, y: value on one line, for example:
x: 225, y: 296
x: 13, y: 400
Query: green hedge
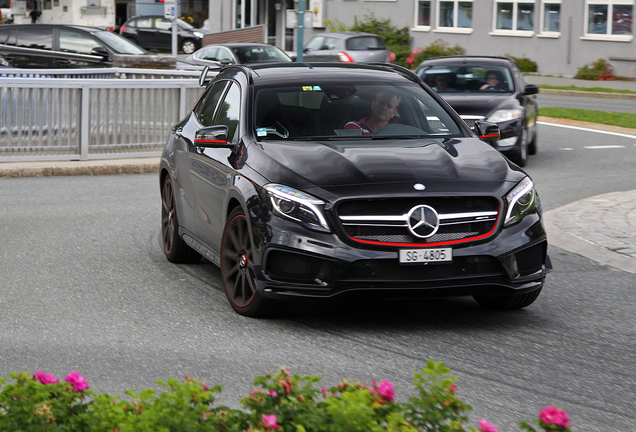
x: 281, y: 402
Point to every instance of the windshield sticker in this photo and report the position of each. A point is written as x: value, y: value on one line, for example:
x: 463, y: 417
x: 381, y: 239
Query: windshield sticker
x: 261, y: 131
x: 312, y: 88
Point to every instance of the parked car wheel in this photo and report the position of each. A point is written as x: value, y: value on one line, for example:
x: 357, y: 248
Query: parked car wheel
x: 175, y: 249
x: 501, y: 302
x: 237, y: 269
x: 188, y: 46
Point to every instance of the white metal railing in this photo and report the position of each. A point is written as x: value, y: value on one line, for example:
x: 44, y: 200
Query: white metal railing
x: 80, y: 118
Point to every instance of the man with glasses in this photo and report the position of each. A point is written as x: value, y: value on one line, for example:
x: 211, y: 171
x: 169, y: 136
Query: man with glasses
x: 494, y: 81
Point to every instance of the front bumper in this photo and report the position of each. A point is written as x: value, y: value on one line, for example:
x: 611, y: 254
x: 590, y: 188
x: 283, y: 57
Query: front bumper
x: 294, y: 265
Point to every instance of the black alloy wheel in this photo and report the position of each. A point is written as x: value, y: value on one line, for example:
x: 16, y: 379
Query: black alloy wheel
x: 175, y: 249
x: 237, y: 269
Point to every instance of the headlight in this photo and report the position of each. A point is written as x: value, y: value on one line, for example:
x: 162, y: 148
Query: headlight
x: 298, y: 206
x: 503, y: 115
x: 198, y: 34
x: 522, y: 200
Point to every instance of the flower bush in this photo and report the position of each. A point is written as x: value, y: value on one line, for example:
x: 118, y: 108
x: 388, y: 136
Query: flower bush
x: 438, y: 48
x: 599, y: 70
x: 280, y: 402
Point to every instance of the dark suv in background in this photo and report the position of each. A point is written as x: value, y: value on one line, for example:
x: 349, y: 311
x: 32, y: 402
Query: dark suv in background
x: 37, y: 46
x: 155, y: 32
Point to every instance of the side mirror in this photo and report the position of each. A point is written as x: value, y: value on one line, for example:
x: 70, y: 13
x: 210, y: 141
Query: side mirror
x: 212, y: 137
x: 100, y: 51
x: 531, y: 89
x: 487, y: 132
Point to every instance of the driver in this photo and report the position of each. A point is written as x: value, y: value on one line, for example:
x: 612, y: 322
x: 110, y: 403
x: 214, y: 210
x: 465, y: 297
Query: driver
x: 383, y: 108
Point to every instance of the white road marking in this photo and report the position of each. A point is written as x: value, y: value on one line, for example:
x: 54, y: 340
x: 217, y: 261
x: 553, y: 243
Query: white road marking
x: 587, y: 129
x: 604, y: 147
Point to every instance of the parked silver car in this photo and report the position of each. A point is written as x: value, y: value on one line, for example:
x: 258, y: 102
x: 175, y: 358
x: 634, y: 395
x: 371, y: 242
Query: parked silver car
x: 348, y: 47
x: 219, y: 55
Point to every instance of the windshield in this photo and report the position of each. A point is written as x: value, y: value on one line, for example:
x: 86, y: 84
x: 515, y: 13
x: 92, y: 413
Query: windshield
x: 118, y: 43
x: 184, y: 25
x: 463, y: 78
x: 349, y: 111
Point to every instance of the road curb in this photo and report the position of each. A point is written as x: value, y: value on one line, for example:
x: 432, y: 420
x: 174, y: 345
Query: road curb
x: 583, y: 93
x: 69, y: 168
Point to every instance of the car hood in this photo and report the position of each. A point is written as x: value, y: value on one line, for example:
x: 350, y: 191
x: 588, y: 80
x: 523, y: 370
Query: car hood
x: 478, y: 104
x: 329, y: 164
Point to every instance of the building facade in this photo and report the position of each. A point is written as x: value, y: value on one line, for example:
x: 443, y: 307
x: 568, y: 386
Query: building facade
x: 560, y: 35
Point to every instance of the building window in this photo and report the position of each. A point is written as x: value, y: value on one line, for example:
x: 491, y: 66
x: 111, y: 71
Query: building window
x: 423, y: 14
x: 514, y: 17
x: 609, y: 18
x: 551, y: 17
x: 455, y: 14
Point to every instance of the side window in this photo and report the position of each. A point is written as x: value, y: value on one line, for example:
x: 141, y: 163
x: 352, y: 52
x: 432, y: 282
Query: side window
x: 143, y: 23
x: 40, y: 38
x: 330, y: 44
x: 205, y: 112
x: 74, y: 42
x: 229, y: 111
x: 163, y: 24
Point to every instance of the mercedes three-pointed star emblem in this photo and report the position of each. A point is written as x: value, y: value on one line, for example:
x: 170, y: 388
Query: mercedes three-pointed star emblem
x: 423, y: 221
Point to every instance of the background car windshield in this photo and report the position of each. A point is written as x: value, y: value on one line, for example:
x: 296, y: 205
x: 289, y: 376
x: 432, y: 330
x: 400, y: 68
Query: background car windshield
x: 468, y: 78
x: 317, y: 109
x: 260, y: 55
x: 184, y: 25
x: 118, y: 43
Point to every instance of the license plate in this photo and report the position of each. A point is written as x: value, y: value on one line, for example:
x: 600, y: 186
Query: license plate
x: 417, y: 256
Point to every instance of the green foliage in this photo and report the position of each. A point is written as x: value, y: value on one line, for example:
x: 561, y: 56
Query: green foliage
x: 438, y: 48
x: 601, y: 117
x: 524, y: 63
x: 600, y: 70
x: 280, y: 402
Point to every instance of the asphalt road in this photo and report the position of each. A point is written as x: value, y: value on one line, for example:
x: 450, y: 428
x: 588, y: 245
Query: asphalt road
x: 84, y: 286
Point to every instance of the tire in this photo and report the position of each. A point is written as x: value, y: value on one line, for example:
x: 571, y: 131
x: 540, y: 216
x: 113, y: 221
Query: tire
x: 520, y: 157
x: 513, y: 302
x: 237, y: 269
x: 188, y: 46
x: 532, y: 147
x: 175, y: 249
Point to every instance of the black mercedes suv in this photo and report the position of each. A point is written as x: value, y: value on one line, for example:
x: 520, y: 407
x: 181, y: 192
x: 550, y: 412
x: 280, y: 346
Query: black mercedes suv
x: 309, y: 181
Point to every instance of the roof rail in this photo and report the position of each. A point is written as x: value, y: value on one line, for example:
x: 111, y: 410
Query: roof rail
x: 407, y: 73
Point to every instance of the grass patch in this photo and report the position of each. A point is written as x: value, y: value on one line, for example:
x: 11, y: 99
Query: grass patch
x: 601, y: 117
x: 586, y: 89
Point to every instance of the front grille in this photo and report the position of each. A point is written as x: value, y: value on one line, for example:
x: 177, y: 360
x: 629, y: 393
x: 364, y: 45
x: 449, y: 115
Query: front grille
x: 385, y: 221
x: 391, y: 270
x: 530, y: 260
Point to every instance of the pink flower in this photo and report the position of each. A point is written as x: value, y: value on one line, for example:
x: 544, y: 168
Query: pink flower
x: 45, y: 378
x: 272, y: 393
x: 484, y: 426
x: 269, y: 421
x: 204, y: 416
x: 386, y: 391
x: 78, y: 382
x: 554, y: 416
x: 324, y: 392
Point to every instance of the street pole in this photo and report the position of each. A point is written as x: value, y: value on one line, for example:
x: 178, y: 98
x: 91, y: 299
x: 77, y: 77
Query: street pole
x: 300, y: 22
x: 175, y: 27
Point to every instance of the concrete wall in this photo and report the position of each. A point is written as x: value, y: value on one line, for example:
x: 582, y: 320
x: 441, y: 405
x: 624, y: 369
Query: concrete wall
x: 561, y: 55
